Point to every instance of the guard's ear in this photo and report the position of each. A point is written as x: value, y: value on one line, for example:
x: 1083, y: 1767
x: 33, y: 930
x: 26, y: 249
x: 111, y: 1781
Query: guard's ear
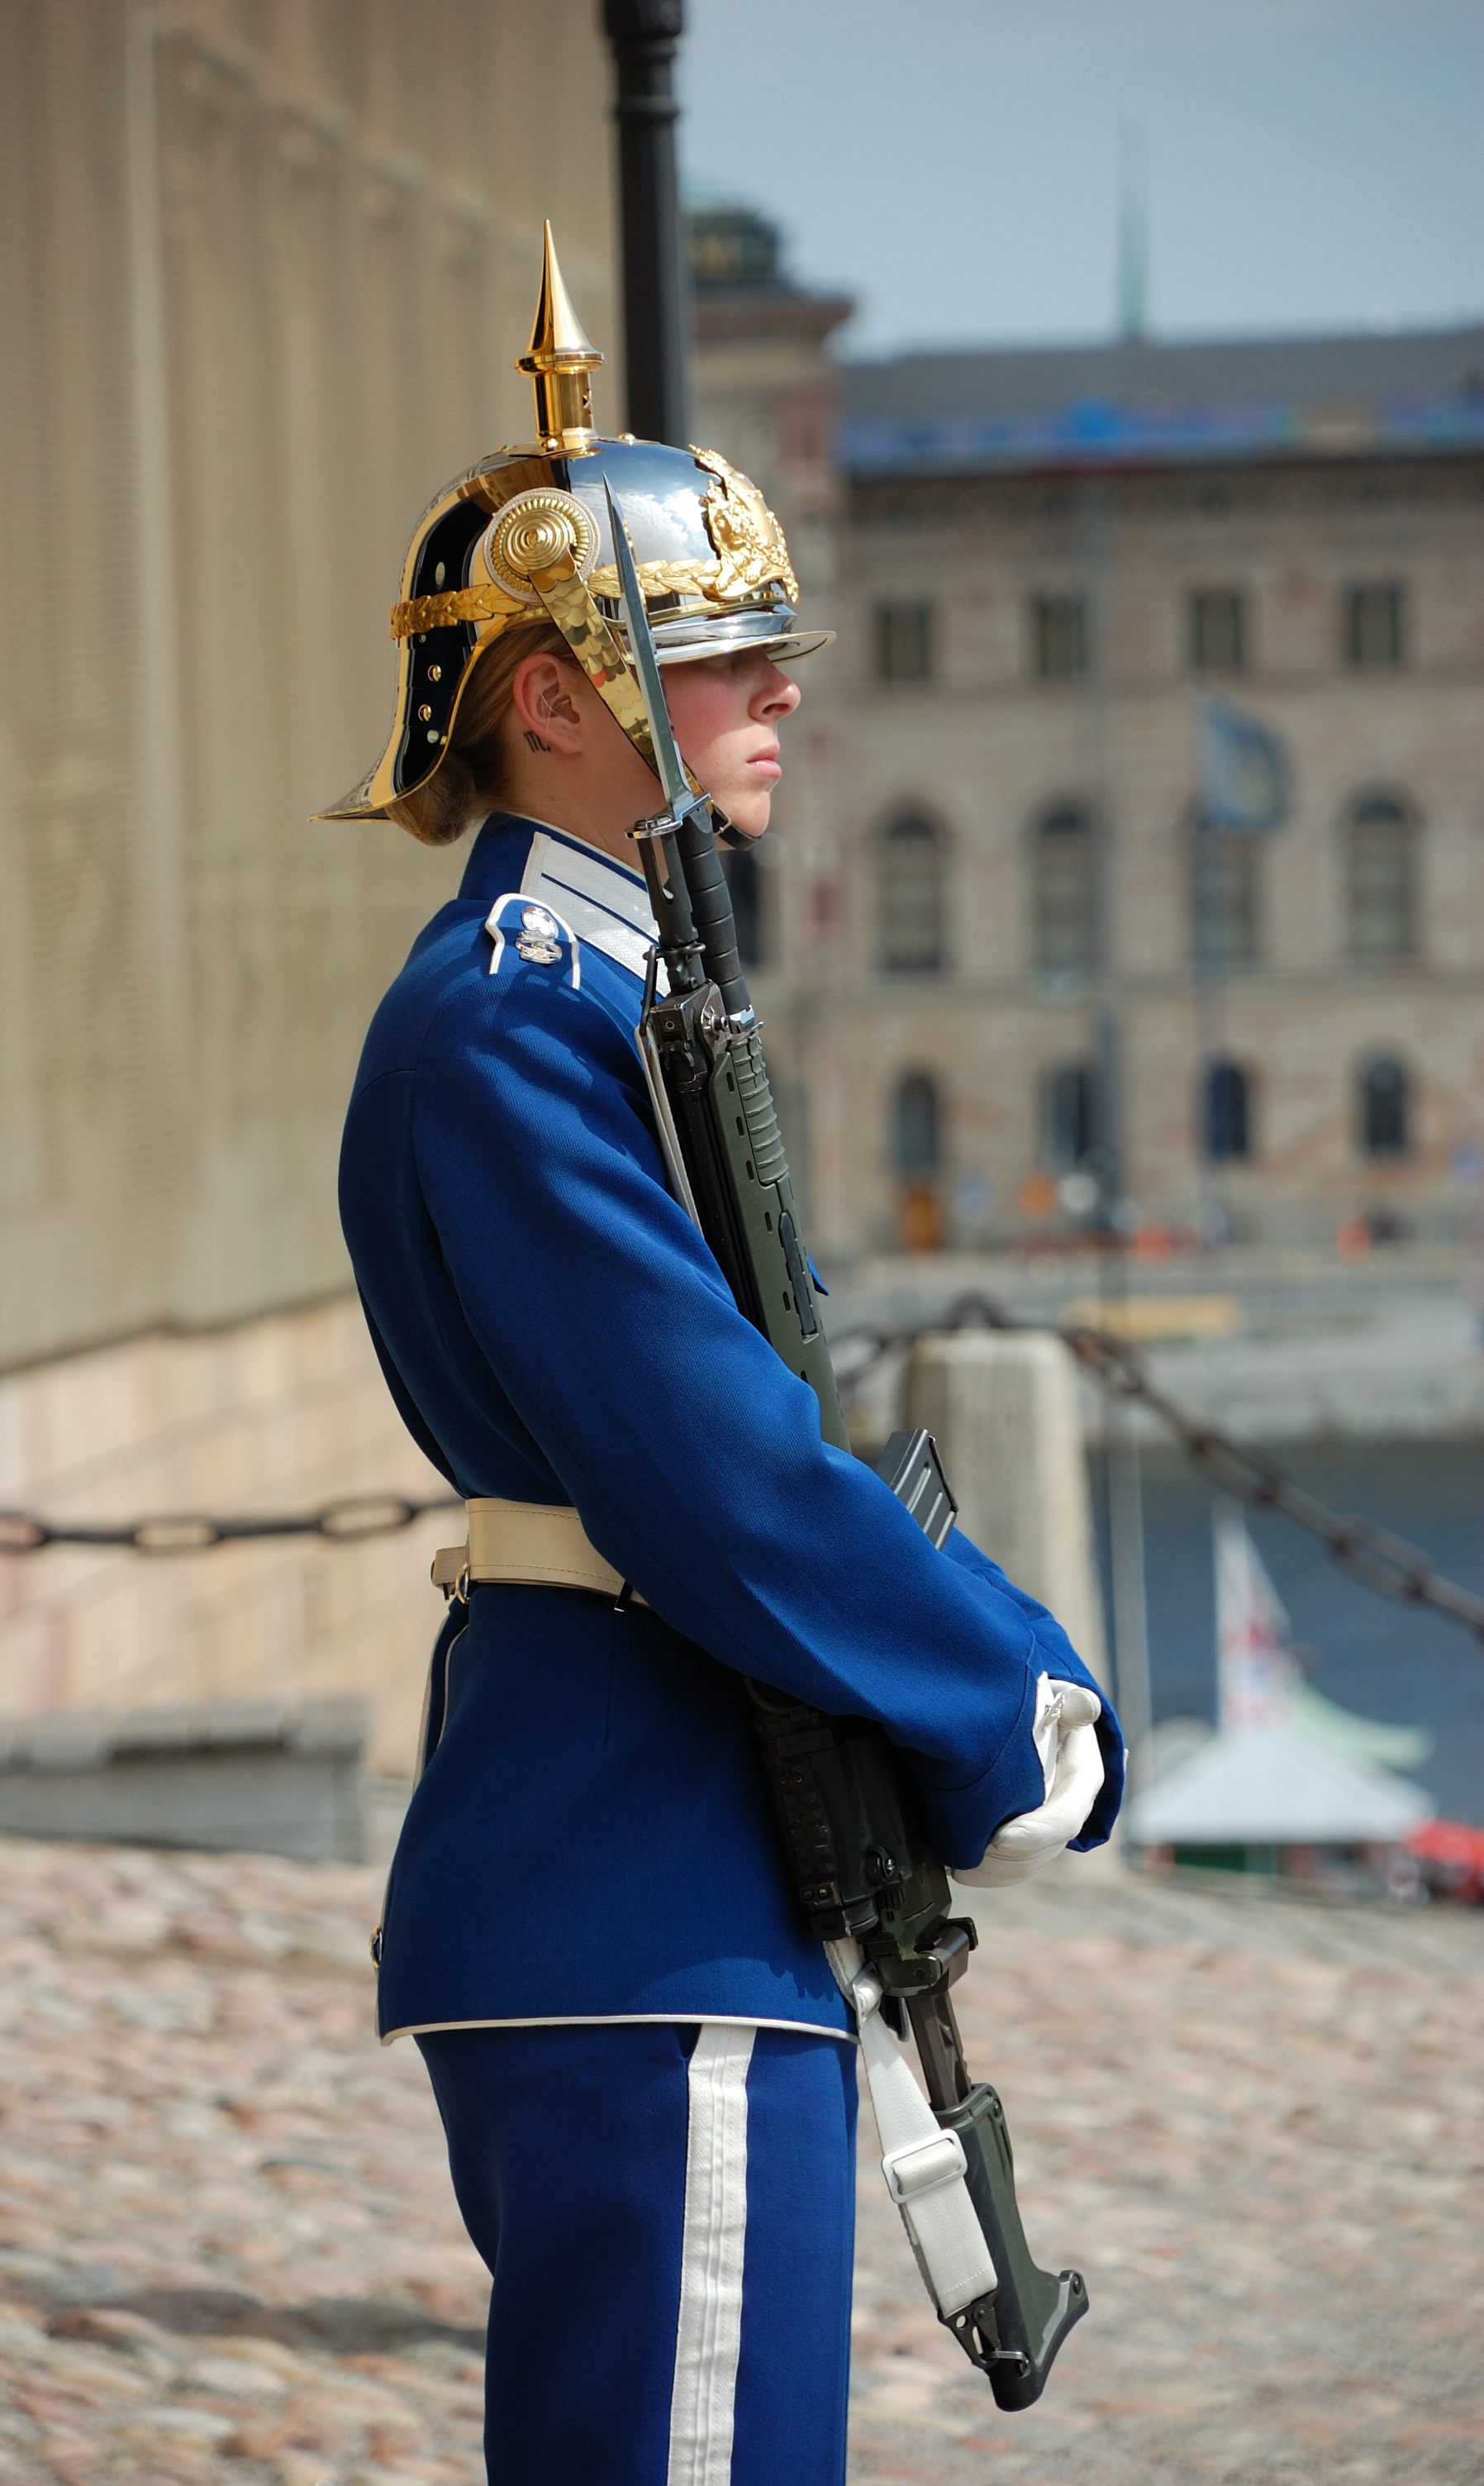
x: 544, y: 697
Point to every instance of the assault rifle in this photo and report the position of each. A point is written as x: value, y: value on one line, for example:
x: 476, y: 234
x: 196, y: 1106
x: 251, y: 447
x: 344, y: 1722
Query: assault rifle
x: 849, y: 1816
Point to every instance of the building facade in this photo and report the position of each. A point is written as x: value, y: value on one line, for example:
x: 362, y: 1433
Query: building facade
x: 1013, y: 976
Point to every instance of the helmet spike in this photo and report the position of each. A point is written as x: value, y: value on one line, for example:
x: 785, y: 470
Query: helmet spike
x: 559, y: 360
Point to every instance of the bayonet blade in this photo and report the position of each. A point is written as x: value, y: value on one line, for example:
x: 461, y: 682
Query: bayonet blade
x: 646, y: 663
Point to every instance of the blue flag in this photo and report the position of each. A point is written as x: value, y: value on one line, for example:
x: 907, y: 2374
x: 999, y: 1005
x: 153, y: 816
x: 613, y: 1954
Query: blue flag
x: 1244, y: 770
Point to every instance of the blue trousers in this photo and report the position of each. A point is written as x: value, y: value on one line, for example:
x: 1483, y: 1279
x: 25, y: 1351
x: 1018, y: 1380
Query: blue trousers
x: 667, y: 2216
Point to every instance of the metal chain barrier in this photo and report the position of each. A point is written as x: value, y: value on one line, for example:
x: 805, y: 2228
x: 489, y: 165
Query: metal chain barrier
x: 340, y: 1523
x: 1387, y: 1563
x: 1384, y: 1562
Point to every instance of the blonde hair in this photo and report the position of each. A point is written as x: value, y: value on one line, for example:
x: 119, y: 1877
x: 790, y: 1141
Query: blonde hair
x: 472, y: 773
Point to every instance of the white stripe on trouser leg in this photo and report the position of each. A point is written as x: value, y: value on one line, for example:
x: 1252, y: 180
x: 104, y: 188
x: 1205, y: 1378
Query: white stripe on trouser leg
x: 708, y: 2336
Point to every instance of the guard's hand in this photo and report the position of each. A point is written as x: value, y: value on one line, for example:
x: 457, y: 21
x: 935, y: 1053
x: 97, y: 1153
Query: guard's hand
x: 1066, y: 1732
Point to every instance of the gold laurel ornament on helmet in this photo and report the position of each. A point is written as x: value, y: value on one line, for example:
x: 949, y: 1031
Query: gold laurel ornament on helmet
x: 526, y: 533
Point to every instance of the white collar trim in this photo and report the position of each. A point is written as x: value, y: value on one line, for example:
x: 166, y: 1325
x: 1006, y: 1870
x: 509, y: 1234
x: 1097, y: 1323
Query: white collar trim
x: 605, y: 905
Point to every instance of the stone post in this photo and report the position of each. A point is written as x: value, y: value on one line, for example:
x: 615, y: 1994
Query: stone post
x: 1005, y: 1414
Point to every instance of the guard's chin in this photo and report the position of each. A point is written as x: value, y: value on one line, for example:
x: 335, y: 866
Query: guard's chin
x: 750, y: 815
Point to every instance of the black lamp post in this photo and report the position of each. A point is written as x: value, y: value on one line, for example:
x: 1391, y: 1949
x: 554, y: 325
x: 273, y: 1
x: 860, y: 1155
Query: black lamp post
x: 656, y: 307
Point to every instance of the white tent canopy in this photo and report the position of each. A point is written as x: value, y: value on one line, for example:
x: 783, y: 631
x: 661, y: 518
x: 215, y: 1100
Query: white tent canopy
x: 1271, y: 1786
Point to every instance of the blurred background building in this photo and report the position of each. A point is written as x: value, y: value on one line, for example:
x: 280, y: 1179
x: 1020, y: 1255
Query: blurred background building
x: 1016, y: 992
x: 263, y: 274
x: 1040, y: 560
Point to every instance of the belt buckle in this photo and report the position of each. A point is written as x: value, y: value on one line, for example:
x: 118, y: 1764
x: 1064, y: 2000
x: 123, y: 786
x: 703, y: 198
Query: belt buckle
x: 451, y: 1573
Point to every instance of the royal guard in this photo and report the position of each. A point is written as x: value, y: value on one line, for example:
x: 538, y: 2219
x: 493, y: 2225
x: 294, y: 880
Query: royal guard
x: 643, y: 2053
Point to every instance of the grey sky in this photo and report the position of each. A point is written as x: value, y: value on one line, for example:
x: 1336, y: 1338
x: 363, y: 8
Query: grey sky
x: 1311, y: 163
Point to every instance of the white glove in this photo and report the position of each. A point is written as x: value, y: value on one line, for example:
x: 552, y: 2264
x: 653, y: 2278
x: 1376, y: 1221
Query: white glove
x: 1065, y: 1735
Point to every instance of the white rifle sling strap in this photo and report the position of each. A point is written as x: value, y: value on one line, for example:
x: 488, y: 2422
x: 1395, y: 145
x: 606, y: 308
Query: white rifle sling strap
x: 925, y: 2166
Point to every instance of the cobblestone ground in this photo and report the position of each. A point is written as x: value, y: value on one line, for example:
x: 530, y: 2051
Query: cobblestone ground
x: 228, y: 2251
x: 1258, y: 2127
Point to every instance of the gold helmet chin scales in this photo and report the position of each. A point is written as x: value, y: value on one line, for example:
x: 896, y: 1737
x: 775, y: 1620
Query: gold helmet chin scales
x: 525, y: 534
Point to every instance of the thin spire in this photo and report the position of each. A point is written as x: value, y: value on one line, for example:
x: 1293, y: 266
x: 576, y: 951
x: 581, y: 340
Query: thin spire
x: 559, y: 361
x: 1132, y: 236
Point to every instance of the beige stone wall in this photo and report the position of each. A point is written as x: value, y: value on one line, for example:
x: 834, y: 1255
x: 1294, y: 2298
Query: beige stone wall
x: 265, y: 271
x: 984, y: 749
x: 263, y: 274
x: 272, y: 1415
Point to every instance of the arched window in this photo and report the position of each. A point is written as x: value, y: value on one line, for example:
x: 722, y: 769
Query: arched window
x: 916, y: 1144
x: 904, y: 643
x: 1064, y: 891
x: 1380, y: 872
x: 743, y: 881
x: 1228, y: 1125
x: 1217, y: 630
x: 916, y: 1135
x: 912, y: 939
x: 1385, y: 1103
x: 1069, y: 1116
x: 1375, y: 623
x: 1224, y: 872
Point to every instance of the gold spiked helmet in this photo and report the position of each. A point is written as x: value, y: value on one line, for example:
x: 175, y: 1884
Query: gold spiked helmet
x: 525, y: 534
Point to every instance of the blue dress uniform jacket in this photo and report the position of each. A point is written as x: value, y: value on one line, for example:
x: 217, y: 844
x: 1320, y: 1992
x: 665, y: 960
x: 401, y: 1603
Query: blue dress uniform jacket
x: 590, y: 1837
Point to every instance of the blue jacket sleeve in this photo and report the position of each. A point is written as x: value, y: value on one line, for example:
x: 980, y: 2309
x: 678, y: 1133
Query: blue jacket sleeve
x: 691, y: 1453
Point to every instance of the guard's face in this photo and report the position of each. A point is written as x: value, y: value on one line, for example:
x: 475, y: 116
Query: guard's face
x: 726, y: 712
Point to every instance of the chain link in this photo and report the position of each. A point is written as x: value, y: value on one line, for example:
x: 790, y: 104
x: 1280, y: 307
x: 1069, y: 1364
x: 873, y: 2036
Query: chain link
x: 1387, y: 1563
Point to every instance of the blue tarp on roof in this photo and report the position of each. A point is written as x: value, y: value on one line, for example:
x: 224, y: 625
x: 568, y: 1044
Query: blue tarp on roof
x: 1159, y: 404
x: 1092, y: 432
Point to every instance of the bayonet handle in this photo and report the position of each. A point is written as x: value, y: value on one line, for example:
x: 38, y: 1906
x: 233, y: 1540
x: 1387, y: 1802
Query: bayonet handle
x: 669, y: 897
x: 711, y: 908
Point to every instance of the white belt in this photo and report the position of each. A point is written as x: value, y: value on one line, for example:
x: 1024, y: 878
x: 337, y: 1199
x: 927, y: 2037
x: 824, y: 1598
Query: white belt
x: 528, y: 1545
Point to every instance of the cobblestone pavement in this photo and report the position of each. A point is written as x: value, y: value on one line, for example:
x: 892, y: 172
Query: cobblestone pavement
x: 229, y: 2254
x: 1258, y: 2127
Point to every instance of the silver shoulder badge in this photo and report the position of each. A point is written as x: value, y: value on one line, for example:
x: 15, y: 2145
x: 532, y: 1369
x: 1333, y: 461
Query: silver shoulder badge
x: 538, y: 933
x: 538, y: 940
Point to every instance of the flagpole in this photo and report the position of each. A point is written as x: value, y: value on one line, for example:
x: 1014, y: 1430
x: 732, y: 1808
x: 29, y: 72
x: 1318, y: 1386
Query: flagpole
x: 1122, y: 1494
x: 1210, y: 982
x: 1242, y: 780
